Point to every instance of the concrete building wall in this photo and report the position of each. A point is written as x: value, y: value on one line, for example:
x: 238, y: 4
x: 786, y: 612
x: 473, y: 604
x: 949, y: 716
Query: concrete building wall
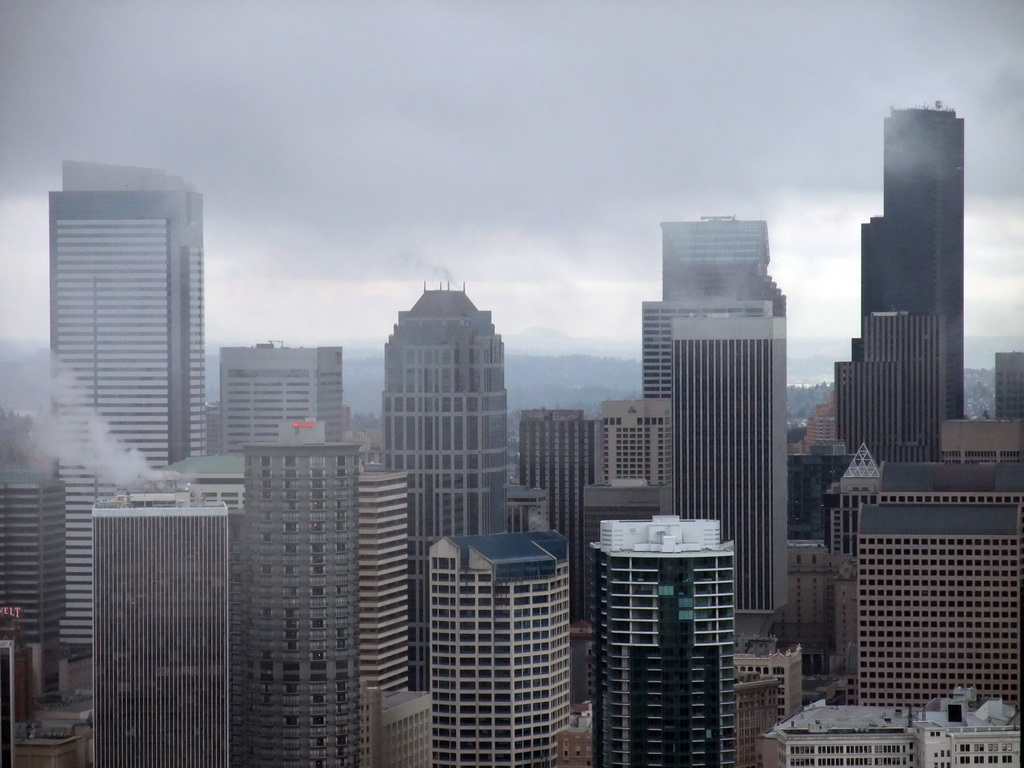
x: 637, y: 440
x: 787, y: 667
x: 821, y: 614
x: 295, y: 628
x: 757, y: 699
x: 396, y: 729
x: 919, y: 566
x: 558, y: 453
x: 982, y: 442
x: 264, y: 385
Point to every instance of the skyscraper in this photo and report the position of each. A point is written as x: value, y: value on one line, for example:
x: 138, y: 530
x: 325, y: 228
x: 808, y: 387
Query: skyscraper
x: 718, y: 265
x: 32, y: 561
x: 720, y: 257
x: 716, y: 345
x: 394, y: 722
x: 295, y: 628
x: 1009, y: 385
x: 160, y: 654
x: 926, y: 622
x: 637, y: 440
x: 7, y: 707
x: 729, y: 446
x: 500, y: 648
x: 264, y: 385
x: 909, y: 359
x: 663, y: 645
x: 126, y: 328
x: 809, y: 477
x: 892, y: 397
x: 444, y: 409
x: 912, y: 257
x: 383, y: 578
x: 558, y: 454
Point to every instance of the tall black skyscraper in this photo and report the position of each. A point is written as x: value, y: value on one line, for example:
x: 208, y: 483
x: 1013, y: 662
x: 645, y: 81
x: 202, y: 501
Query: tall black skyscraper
x: 912, y: 257
x: 906, y: 373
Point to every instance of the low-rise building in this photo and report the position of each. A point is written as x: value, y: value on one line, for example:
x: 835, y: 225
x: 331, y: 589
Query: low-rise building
x: 821, y: 614
x: 214, y: 478
x: 982, y: 441
x: 760, y: 656
x: 397, y: 728
x: 575, y: 743
x: 757, y: 697
x: 946, y: 733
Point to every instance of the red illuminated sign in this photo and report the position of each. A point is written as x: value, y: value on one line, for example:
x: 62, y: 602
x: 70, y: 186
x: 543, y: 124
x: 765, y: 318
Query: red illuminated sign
x: 303, y: 424
x: 8, y: 610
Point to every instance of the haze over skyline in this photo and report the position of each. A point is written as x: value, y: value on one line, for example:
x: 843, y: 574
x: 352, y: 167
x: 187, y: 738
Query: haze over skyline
x: 349, y: 153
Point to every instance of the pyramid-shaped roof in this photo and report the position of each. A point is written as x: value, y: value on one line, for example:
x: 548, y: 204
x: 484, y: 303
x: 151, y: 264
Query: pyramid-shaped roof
x: 443, y: 303
x: 863, y: 465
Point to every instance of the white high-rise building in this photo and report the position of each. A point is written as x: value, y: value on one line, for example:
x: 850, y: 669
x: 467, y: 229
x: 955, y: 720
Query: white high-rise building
x: 383, y: 578
x: 499, y: 642
x: 126, y: 331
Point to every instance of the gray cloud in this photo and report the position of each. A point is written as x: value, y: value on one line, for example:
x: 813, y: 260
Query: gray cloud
x: 351, y: 136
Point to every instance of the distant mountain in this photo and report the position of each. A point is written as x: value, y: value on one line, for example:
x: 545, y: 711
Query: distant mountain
x: 544, y: 368
x: 547, y: 341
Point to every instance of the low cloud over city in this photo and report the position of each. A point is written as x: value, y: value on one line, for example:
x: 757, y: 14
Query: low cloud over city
x: 348, y: 153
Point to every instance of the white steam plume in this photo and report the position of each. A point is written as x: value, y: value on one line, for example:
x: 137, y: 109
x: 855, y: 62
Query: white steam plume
x: 75, y: 434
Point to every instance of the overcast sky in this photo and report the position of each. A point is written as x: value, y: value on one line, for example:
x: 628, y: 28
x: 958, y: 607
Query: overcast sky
x: 350, y: 152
